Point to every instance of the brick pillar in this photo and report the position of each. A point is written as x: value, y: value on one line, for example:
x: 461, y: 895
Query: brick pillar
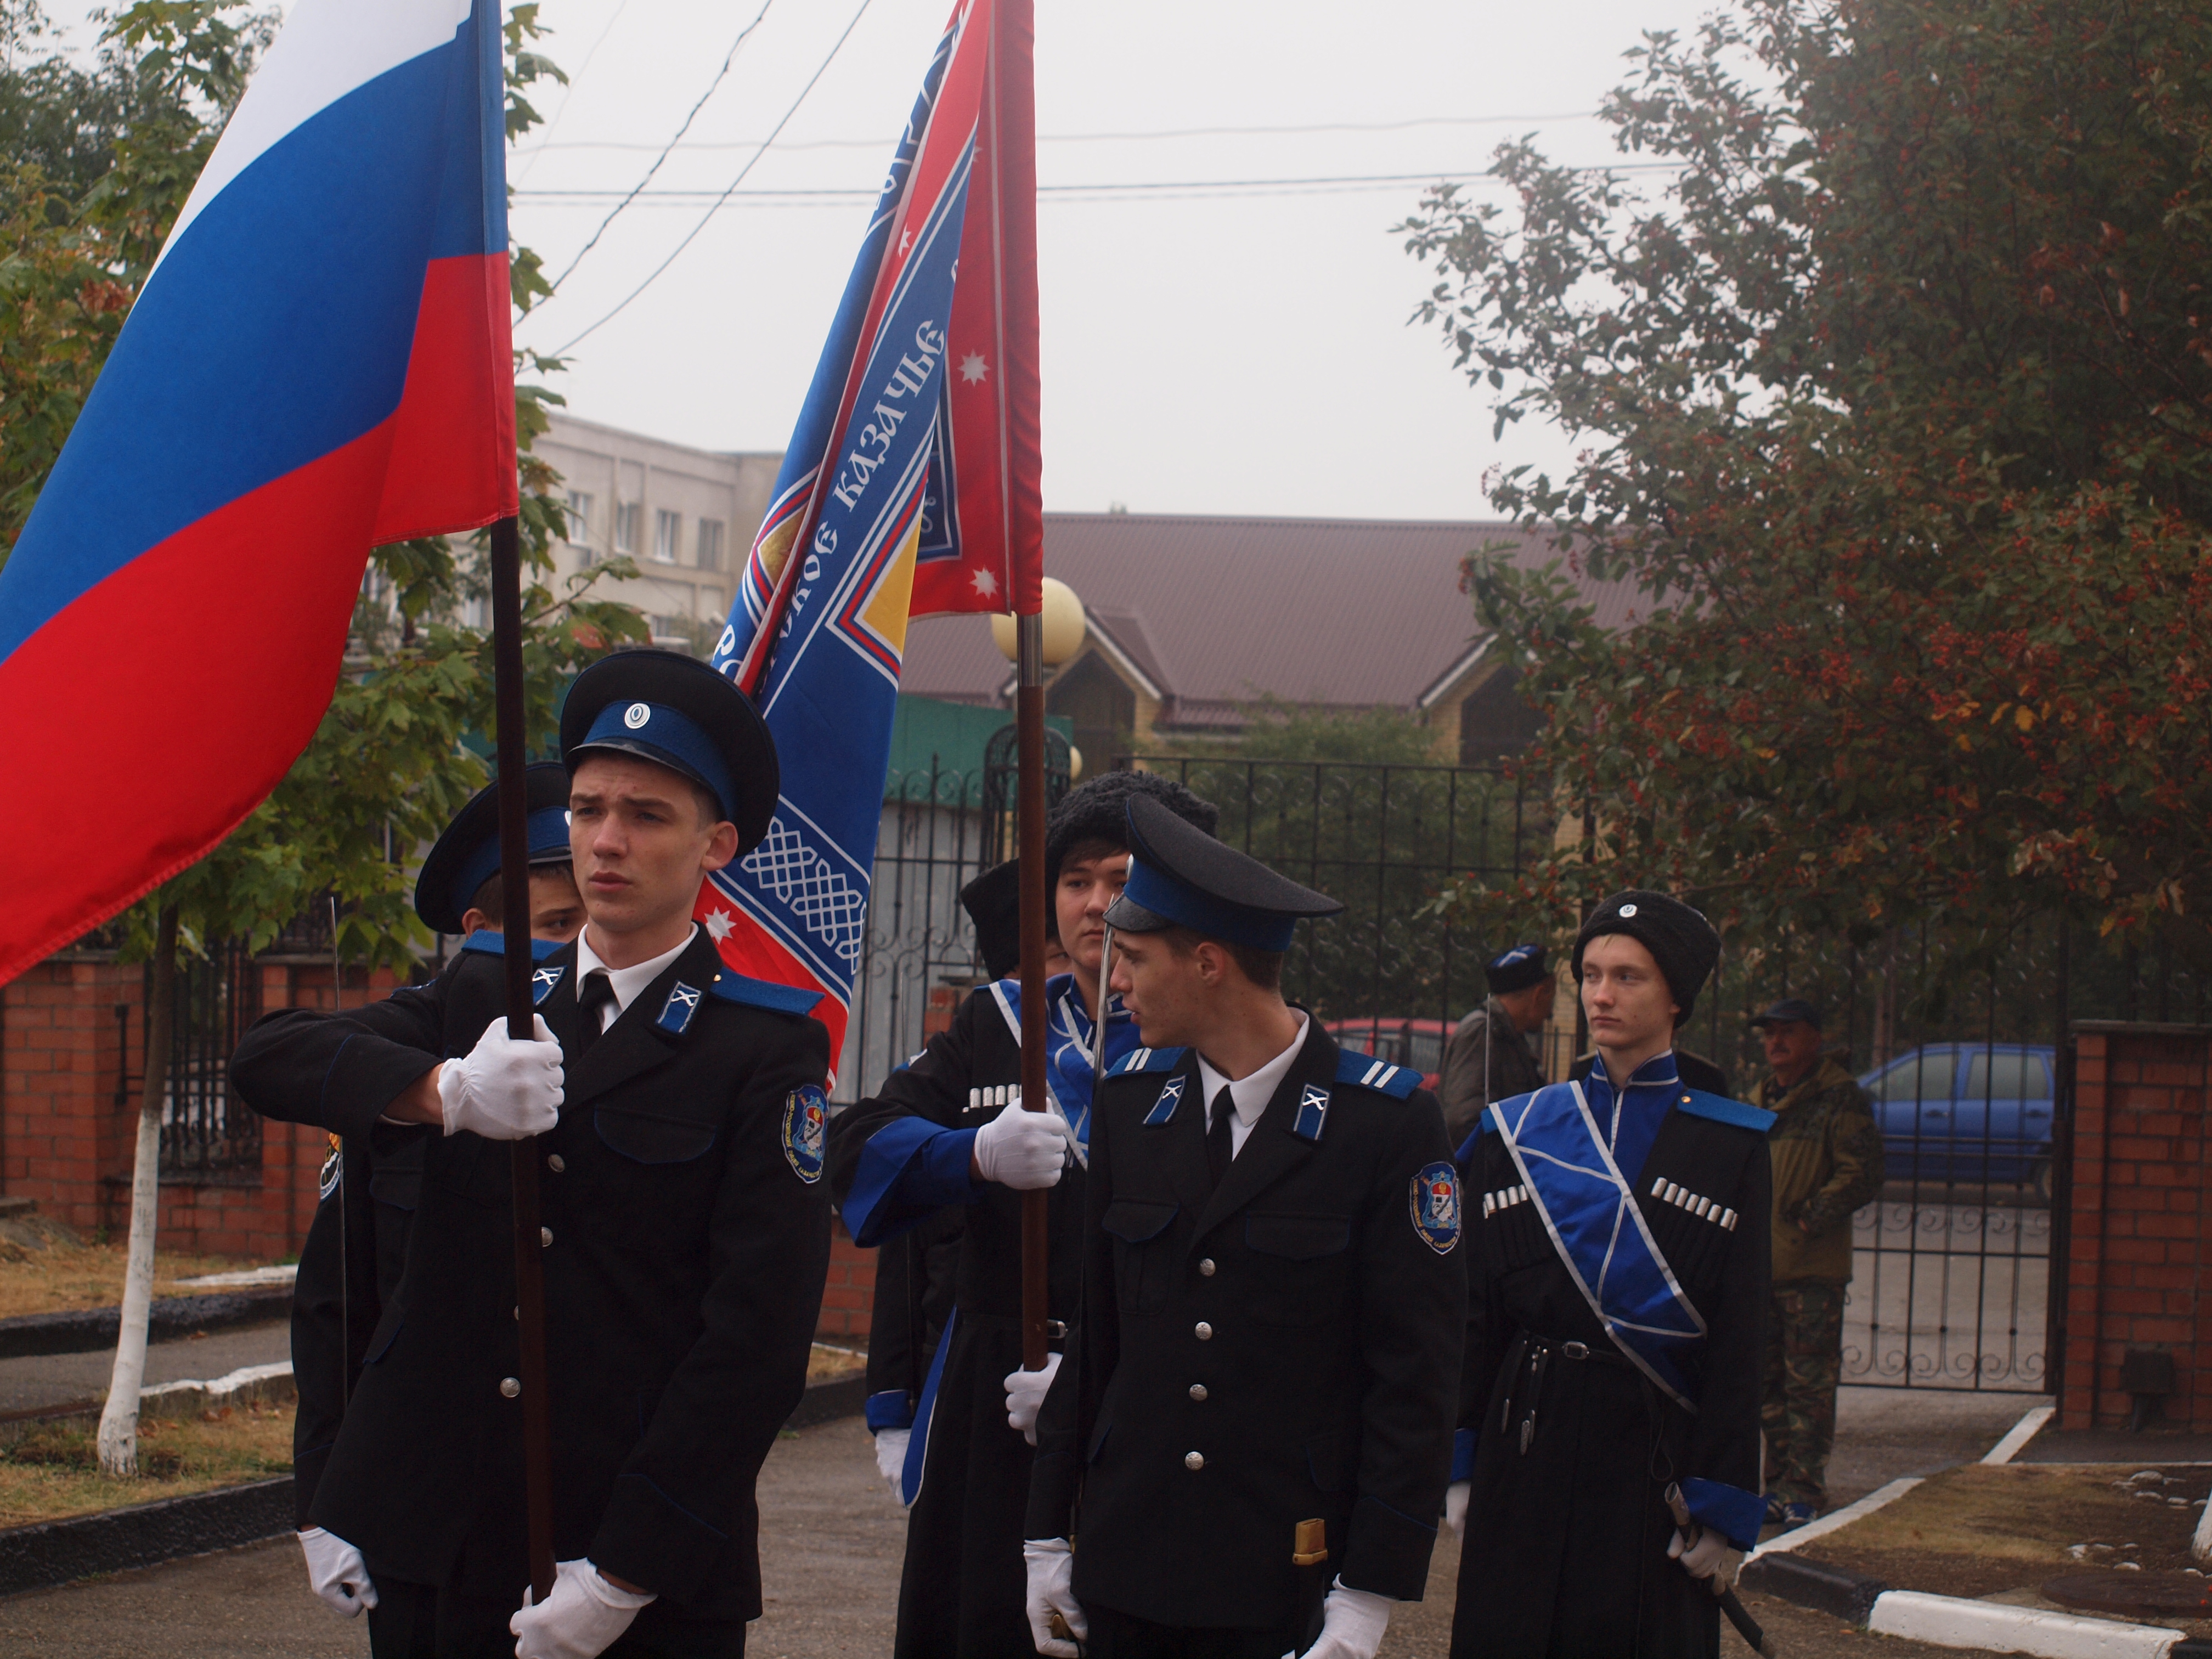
x: 2138, y: 1247
x: 849, y: 1299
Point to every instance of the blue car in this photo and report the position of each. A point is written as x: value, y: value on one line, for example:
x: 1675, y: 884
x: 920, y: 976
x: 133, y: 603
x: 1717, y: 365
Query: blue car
x: 1972, y: 1112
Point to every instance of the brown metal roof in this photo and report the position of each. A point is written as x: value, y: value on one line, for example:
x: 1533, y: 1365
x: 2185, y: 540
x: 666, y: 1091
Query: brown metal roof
x: 1220, y: 610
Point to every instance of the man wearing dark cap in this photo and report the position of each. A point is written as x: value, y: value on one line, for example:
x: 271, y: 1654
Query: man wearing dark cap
x: 356, y: 1245
x: 1828, y: 1162
x: 1615, y: 1310
x: 677, y: 1114
x: 1489, y: 1057
x: 947, y: 1129
x: 1255, y: 1414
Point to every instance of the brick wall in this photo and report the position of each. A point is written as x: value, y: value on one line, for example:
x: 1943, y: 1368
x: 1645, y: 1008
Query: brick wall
x: 67, y: 1140
x: 850, y: 1295
x: 2138, y: 1247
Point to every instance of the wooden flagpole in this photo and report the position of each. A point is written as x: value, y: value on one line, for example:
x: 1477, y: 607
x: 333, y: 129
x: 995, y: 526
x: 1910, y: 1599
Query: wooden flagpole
x: 1029, y: 738
x: 515, y: 893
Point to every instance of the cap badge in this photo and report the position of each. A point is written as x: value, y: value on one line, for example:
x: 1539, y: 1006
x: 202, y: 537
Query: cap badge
x: 1626, y: 910
x: 636, y: 715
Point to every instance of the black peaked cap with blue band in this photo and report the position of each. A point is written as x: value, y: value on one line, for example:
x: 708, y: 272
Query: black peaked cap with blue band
x: 1515, y: 970
x: 1181, y: 876
x: 676, y: 712
x: 467, y: 855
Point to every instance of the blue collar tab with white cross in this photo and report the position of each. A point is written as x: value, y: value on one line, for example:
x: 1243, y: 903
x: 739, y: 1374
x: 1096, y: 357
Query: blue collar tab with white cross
x: 543, y: 983
x: 1163, y: 1109
x: 675, y: 1013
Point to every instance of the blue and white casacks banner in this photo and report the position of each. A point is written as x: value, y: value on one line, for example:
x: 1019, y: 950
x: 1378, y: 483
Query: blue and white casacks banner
x: 907, y: 487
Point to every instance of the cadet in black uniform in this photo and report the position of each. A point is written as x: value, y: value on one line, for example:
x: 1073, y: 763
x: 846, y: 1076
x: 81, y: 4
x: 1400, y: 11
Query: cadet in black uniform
x: 681, y: 1117
x: 1255, y: 1416
x: 930, y: 1137
x: 1614, y: 1339
x: 356, y: 1245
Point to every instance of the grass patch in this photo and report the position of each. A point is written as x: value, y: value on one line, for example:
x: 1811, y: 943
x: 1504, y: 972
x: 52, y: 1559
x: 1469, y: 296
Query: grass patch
x: 825, y: 1364
x: 1982, y: 1529
x: 66, y: 1275
x: 53, y: 1471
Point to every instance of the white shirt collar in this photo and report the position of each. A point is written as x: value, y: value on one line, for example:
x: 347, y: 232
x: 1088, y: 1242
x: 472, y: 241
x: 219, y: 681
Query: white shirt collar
x: 1250, y: 1095
x: 626, y: 983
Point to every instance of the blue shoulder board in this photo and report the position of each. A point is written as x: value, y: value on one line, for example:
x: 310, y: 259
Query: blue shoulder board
x: 1720, y: 1109
x: 1147, y: 1059
x: 487, y: 943
x: 730, y: 987
x: 1369, y: 1073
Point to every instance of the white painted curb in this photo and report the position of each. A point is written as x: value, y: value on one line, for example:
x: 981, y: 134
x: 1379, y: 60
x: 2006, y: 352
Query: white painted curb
x: 245, y: 1382
x: 2017, y: 1437
x: 1843, y: 1517
x: 1951, y: 1621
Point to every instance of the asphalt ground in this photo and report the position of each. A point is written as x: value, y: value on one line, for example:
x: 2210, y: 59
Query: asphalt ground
x: 31, y: 1382
x: 831, y: 1543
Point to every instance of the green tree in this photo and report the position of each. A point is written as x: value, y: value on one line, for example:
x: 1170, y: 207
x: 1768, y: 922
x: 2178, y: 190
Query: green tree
x: 1894, y: 405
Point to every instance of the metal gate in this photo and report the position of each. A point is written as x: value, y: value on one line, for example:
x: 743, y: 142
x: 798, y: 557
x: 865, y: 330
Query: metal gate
x: 207, y: 1134
x: 1960, y: 1035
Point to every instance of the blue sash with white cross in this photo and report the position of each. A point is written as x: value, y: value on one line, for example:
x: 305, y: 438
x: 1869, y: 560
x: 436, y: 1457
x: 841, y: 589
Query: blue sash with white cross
x: 1598, y: 1231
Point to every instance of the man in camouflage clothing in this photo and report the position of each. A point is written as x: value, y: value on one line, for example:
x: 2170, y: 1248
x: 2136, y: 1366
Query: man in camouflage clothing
x: 1827, y: 1154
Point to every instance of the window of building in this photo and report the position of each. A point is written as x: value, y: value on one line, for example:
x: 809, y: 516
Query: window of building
x: 579, y: 517
x: 667, y: 531
x: 626, y: 516
x: 710, y: 543
x: 673, y: 633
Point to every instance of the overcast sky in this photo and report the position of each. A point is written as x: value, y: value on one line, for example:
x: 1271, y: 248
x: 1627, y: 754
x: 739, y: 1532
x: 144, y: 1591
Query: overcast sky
x: 1204, y: 352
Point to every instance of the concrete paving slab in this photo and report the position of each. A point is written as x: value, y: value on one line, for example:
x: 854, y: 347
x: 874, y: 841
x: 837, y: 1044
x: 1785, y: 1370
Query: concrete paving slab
x: 1882, y: 1434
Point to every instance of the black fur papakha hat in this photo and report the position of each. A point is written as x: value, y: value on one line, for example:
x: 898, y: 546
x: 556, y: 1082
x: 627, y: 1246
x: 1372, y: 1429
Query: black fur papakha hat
x: 1681, y: 940
x: 1099, y: 811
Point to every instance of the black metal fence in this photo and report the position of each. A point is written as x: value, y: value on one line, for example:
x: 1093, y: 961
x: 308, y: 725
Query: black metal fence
x: 1959, y: 1034
x: 209, y: 1134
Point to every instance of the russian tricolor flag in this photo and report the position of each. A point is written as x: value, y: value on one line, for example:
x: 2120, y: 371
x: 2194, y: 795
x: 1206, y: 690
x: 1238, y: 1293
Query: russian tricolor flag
x: 318, y: 363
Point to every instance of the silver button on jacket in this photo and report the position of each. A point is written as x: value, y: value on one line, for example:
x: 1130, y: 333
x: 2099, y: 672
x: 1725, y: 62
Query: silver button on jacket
x: 1204, y: 1332
x: 1194, y: 1459
x: 510, y: 1386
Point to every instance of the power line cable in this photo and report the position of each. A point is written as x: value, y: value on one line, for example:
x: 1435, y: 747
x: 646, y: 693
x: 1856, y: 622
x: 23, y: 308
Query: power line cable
x: 692, y: 235
x: 720, y: 75
x: 1129, y: 189
x: 568, y: 91
x: 1111, y: 137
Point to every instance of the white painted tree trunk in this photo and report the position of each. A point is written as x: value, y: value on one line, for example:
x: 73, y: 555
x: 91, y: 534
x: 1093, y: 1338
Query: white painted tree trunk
x: 118, y: 1418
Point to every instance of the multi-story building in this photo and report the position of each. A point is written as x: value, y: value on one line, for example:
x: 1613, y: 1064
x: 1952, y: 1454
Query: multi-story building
x: 685, y: 516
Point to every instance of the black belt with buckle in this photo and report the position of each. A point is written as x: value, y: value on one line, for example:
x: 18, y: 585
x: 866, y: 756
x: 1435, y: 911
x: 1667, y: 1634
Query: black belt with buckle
x: 1531, y: 1357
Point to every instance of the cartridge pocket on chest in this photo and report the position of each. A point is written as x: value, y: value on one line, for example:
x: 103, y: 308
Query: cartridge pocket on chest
x: 1298, y: 1264
x: 1142, y: 1267
x: 1692, y: 1230
x: 1511, y: 1232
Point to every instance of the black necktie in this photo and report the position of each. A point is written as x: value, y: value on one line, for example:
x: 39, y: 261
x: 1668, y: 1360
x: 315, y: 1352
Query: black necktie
x: 598, y: 991
x: 1218, y: 1150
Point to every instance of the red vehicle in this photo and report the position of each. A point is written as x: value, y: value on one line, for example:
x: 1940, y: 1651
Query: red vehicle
x: 1419, y: 1043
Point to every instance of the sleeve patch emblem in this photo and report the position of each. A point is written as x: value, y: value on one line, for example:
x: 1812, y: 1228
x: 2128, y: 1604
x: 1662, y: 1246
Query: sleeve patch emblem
x: 1436, y: 1206
x: 806, y: 1131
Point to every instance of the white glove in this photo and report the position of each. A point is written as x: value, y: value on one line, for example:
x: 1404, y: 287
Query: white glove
x: 1025, y: 1391
x: 503, y: 1089
x: 890, y: 1459
x: 1708, y: 1556
x: 1021, y: 1149
x: 1352, y: 1624
x: 338, y: 1572
x: 1051, y: 1564
x: 1455, y: 1496
x: 581, y: 1619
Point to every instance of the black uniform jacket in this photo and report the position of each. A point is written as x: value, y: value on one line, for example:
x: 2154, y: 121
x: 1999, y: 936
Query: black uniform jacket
x: 350, y: 1266
x: 689, y: 1241
x: 1280, y: 1349
x: 962, y: 1588
x: 1566, y: 1541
